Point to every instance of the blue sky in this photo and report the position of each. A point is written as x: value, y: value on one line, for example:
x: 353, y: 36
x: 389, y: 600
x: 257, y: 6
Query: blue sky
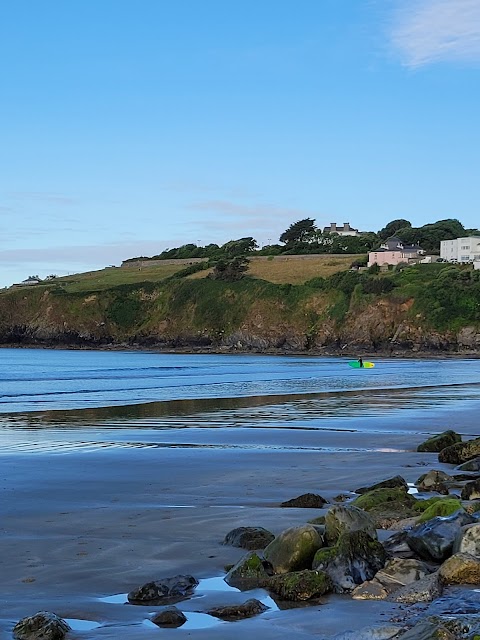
x: 131, y: 127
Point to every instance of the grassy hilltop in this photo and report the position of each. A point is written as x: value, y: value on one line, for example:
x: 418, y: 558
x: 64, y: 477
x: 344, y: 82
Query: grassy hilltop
x: 289, y: 303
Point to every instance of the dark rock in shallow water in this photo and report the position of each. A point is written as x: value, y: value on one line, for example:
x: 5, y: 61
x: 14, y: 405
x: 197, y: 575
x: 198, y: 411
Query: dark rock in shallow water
x: 232, y: 612
x: 435, y: 444
x: 306, y: 501
x: 249, y: 538
x: 44, y: 625
x: 390, y: 483
x: 170, y: 618
x: 433, y: 540
x: 387, y: 505
x: 300, y: 585
x: 164, y: 591
x: 460, y: 452
x: 427, y: 630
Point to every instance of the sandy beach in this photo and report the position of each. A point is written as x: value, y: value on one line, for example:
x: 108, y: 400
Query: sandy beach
x: 79, y: 527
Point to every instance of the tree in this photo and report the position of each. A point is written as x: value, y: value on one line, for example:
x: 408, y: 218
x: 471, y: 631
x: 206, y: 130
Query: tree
x: 230, y: 270
x: 392, y: 228
x: 239, y: 247
x: 430, y: 235
x: 300, y: 231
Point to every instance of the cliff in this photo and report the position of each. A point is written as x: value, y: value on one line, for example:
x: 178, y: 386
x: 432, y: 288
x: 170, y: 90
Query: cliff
x: 343, y: 313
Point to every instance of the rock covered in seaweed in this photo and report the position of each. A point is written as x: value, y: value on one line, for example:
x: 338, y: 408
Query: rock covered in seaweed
x: 342, y: 518
x: 355, y: 558
x: 460, y: 452
x: 248, y: 609
x: 300, y: 585
x: 249, y: 572
x: 436, y: 443
x: 294, y: 549
x: 306, y: 501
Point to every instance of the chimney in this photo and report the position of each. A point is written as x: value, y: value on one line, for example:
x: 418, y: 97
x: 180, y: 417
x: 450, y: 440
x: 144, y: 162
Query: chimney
x: 346, y: 226
x: 333, y: 226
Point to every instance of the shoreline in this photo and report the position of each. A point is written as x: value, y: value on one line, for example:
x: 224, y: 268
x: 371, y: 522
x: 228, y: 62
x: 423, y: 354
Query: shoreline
x: 410, y: 354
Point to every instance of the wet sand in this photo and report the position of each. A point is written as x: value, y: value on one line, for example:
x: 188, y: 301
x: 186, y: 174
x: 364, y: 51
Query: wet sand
x: 81, y: 526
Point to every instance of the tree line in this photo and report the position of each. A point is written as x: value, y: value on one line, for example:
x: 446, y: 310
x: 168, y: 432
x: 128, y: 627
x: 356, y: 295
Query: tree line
x: 304, y: 237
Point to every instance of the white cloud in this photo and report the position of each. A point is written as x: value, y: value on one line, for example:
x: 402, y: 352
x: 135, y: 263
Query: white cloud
x: 429, y: 31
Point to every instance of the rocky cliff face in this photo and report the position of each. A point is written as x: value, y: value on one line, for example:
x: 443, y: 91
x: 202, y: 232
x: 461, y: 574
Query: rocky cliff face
x: 146, y: 319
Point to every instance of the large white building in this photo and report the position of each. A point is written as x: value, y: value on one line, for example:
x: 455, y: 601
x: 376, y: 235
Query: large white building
x: 461, y: 249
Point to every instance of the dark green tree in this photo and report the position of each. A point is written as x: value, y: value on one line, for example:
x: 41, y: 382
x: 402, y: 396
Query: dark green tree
x: 392, y: 228
x: 230, y: 270
x: 239, y: 247
x: 300, y: 231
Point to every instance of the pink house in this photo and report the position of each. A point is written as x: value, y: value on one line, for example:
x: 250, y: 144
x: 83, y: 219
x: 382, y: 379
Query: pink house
x: 393, y: 251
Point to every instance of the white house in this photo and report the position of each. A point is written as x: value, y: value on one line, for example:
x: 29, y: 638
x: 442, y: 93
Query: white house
x: 344, y: 230
x: 461, y: 249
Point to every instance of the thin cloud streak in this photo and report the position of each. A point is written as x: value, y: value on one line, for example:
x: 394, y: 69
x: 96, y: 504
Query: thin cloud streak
x: 430, y: 31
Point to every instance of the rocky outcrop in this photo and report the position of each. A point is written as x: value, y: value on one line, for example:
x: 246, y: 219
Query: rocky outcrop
x: 168, y: 590
x: 294, y: 549
x: 249, y: 538
x: 248, y: 609
x: 43, y: 625
x: 442, y: 440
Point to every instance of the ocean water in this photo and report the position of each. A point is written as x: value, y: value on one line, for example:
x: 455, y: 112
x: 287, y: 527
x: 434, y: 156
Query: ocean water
x: 64, y: 400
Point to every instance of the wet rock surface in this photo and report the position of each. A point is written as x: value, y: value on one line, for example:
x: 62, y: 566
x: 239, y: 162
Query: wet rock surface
x: 44, y: 625
x: 249, y: 538
x: 248, y: 609
x: 169, y: 618
x: 168, y: 590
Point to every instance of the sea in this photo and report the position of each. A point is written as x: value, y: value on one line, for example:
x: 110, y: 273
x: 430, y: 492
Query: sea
x: 61, y: 401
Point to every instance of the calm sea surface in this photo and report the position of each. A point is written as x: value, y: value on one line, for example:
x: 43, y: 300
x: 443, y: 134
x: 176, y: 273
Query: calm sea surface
x: 63, y: 401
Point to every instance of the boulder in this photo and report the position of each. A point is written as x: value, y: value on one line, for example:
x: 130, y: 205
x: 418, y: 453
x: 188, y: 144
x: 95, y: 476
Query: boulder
x: 387, y: 505
x: 294, y: 549
x: 460, y: 452
x: 468, y: 540
x: 341, y: 518
x: 166, y: 591
x: 397, y: 482
x: 427, y: 630
x: 424, y: 590
x: 248, y: 609
x: 434, y: 481
x: 249, y: 572
x: 355, y: 558
x: 397, y: 573
x: 435, y: 444
x: 169, y: 618
x: 375, y: 632
x: 306, y: 501
x: 470, y: 465
x: 461, y: 568
x: 471, y: 490
x: 441, y: 507
x: 249, y: 538
x: 397, y: 546
x: 433, y: 540
x: 300, y: 585
x: 44, y: 625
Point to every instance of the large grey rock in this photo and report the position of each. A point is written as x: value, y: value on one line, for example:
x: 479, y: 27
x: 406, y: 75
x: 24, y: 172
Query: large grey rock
x: 427, y: 630
x: 44, y: 625
x: 294, y: 549
x: 342, y: 518
x: 424, y: 590
x: 461, y: 568
x: 434, y: 481
x: 248, y: 609
x: 249, y: 538
x: 470, y: 465
x: 166, y: 591
x: 377, y: 632
x: 467, y: 540
x: 355, y: 558
x: 436, y: 443
x: 300, y: 585
x: 249, y: 572
x: 433, y: 540
x: 396, y: 574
